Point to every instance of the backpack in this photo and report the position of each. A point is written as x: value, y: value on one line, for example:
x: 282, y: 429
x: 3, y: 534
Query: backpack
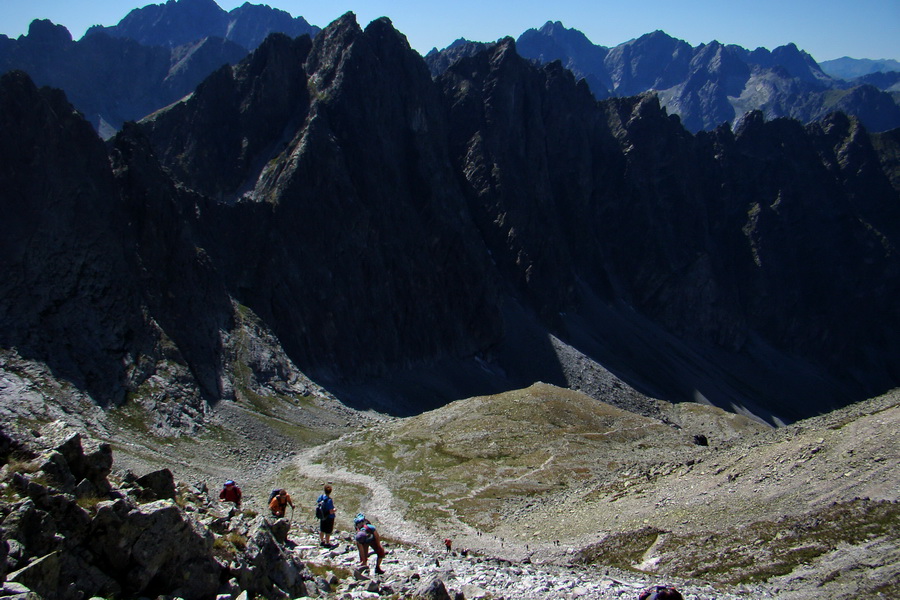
x: 661, y: 592
x: 273, y: 494
x: 320, y: 508
x: 364, y: 535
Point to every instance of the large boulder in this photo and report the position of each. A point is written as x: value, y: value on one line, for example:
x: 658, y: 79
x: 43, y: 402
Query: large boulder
x: 153, y: 547
x: 432, y: 589
x: 72, y: 461
x: 160, y: 484
x: 268, y: 568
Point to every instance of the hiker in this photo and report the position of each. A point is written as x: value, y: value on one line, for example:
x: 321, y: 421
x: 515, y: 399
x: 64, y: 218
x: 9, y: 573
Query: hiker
x: 448, y: 543
x: 367, y: 536
x: 279, y: 503
x: 325, y: 512
x: 231, y: 493
x: 661, y: 592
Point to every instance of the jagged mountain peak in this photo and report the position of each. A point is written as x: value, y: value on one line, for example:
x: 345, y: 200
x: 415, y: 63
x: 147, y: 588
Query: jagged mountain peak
x: 44, y: 31
x: 655, y: 39
x: 713, y: 83
x: 174, y: 23
x: 179, y: 22
x: 555, y: 28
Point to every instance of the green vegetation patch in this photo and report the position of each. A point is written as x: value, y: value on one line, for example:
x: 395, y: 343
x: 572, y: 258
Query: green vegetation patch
x: 527, y: 443
x: 622, y: 550
x: 756, y: 552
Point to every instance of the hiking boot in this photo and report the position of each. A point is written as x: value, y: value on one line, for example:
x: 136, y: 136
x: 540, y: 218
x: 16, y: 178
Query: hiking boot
x: 379, y: 570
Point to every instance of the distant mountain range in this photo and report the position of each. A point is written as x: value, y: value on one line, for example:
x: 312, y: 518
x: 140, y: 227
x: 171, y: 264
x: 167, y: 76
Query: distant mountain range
x: 114, y: 80
x: 180, y: 22
x: 153, y: 57
x: 713, y: 83
x: 852, y: 68
x: 159, y: 53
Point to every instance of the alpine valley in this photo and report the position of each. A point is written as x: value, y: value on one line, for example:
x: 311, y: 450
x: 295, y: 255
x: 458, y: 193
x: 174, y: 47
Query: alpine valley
x: 501, y: 273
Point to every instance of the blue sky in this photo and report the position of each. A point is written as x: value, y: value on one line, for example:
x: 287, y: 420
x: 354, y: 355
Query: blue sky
x: 827, y: 29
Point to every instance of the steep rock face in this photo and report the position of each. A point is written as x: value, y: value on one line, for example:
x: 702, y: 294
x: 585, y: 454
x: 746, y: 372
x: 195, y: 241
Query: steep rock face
x: 503, y: 122
x: 104, y: 286
x: 64, y: 246
x: 250, y: 24
x: 236, y: 120
x: 715, y: 75
x: 181, y: 289
x: 360, y: 254
x: 705, y: 208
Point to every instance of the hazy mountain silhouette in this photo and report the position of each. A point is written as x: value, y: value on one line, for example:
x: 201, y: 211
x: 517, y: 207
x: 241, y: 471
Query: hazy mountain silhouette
x: 180, y: 22
x: 851, y: 68
x: 712, y: 83
x: 113, y: 80
x: 153, y: 57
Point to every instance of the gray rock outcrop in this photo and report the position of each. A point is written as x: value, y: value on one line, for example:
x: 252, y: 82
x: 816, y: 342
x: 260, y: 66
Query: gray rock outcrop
x: 115, y: 542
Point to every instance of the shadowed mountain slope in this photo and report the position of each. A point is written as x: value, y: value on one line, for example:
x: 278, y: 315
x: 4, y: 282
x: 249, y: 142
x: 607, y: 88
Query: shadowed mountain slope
x: 404, y: 240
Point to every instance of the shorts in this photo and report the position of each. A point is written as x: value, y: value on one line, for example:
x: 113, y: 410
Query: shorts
x: 326, y: 525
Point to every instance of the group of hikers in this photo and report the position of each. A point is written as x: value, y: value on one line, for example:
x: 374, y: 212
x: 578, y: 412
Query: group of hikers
x: 366, y: 535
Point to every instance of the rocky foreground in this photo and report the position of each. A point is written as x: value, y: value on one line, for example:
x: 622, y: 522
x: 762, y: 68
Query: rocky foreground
x: 73, y: 529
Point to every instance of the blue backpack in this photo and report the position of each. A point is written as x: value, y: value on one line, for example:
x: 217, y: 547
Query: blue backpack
x: 321, y: 512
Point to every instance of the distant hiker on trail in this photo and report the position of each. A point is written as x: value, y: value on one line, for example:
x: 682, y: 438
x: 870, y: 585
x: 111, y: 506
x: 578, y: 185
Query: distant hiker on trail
x: 366, y: 537
x: 325, y: 512
x: 448, y: 543
x: 231, y: 493
x: 279, y: 503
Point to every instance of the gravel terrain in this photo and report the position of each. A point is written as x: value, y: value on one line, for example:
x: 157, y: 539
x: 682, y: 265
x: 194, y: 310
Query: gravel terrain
x: 675, y: 510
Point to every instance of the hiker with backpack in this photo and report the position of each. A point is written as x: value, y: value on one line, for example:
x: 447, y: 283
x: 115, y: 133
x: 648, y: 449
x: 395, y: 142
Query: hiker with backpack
x: 368, y: 537
x: 279, y: 502
x: 325, y: 512
x: 231, y: 493
x: 661, y: 592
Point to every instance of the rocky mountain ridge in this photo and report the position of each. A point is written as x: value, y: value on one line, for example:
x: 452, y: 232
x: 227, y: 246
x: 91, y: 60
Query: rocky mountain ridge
x: 713, y: 83
x: 114, y: 80
x: 181, y: 22
x: 851, y: 68
x: 402, y: 250
x: 185, y: 40
x: 154, y: 56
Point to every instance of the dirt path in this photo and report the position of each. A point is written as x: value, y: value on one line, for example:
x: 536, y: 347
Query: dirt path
x: 387, y: 510
x: 381, y: 500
